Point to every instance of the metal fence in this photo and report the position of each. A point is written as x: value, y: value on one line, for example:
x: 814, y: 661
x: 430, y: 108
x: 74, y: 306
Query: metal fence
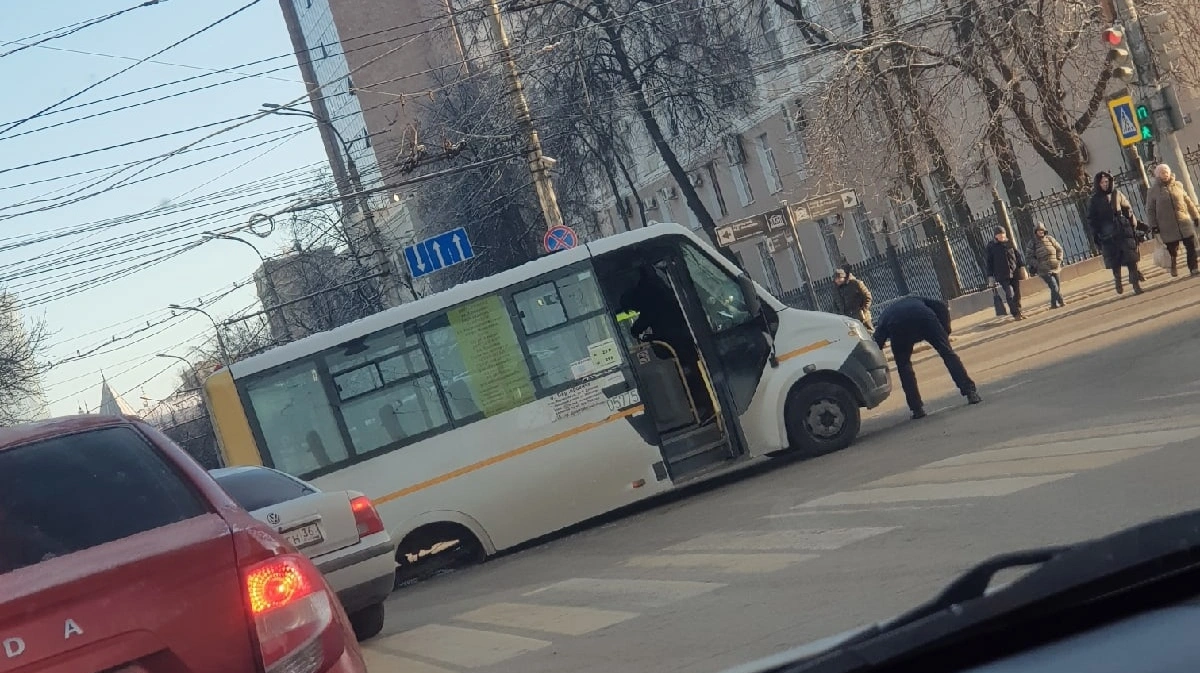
x: 912, y: 267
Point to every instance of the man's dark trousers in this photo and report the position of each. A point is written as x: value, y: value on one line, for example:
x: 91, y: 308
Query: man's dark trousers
x: 930, y: 330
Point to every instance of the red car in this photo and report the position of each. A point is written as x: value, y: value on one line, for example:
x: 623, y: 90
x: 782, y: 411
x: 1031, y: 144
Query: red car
x: 119, y: 553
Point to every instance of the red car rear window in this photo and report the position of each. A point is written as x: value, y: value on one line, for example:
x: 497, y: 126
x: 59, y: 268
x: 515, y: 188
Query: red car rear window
x: 70, y: 493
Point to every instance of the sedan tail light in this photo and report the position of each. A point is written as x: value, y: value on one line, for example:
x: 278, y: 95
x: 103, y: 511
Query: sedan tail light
x: 293, y: 614
x: 366, y: 516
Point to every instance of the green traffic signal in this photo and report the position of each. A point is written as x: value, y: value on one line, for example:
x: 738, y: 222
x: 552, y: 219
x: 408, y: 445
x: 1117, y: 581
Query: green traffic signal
x: 1143, y: 115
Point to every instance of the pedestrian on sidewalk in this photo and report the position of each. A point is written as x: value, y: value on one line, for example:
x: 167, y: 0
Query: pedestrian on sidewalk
x: 1045, y: 259
x: 909, y: 321
x: 854, y: 298
x: 1172, y: 216
x: 1004, y: 264
x: 1114, y: 231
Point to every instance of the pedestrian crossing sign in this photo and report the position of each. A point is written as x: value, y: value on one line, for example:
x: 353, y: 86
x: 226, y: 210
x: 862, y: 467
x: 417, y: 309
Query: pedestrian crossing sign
x: 1128, y: 130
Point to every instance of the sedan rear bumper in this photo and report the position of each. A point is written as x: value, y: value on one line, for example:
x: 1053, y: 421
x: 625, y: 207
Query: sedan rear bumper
x: 361, y: 577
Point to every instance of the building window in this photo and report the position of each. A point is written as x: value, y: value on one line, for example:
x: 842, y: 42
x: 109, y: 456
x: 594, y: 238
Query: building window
x: 766, y: 158
x: 742, y: 183
x: 866, y: 236
x: 772, y: 273
x: 832, y: 249
x: 767, y: 22
x: 711, y: 169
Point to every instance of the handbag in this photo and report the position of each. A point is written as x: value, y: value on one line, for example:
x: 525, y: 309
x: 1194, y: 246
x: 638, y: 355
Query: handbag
x: 998, y: 301
x: 1162, y: 256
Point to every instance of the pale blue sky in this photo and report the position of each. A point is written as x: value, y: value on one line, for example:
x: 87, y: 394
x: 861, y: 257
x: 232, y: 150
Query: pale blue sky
x: 37, y: 77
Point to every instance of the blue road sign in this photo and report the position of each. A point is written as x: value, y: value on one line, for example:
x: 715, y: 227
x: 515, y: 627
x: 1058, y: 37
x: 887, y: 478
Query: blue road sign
x: 561, y: 237
x: 438, y: 252
x: 1125, y: 123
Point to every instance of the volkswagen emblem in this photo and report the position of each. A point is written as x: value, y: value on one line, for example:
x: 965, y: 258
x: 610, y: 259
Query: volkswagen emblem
x: 273, y: 518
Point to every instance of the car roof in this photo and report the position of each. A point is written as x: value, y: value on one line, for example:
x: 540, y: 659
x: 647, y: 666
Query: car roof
x: 226, y: 471
x: 17, y: 435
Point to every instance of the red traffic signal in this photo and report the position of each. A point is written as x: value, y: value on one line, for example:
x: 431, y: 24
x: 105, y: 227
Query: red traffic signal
x: 1113, y: 37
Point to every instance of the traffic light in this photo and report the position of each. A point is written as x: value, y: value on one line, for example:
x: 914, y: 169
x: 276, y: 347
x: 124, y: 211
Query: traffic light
x: 1147, y: 126
x: 1118, y: 53
x: 1162, y: 42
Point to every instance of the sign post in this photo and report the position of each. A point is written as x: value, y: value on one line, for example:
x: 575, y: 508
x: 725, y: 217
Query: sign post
x: 808, y: 281
x: 438, y: 252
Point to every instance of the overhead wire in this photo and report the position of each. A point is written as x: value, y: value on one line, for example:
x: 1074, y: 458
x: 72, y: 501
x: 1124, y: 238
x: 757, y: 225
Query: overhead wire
x: 109, y: 78
x: 76, y: 27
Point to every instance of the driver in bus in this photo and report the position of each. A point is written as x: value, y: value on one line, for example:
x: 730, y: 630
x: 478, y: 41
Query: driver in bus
x: 660, y: 318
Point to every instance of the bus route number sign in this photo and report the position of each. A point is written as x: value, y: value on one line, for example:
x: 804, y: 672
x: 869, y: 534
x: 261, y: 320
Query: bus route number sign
x: 624, y: 400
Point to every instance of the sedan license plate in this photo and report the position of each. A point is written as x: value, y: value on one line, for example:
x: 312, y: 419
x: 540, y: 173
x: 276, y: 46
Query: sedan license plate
x: 304, y: 536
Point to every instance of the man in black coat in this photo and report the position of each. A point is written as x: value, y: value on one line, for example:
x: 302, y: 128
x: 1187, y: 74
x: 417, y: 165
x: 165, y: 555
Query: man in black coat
x: 909, y: 321
x: 1003, y: 261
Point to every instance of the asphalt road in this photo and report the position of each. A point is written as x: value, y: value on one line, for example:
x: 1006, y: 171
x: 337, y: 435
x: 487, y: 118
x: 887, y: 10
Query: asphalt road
x: 1087, y: 426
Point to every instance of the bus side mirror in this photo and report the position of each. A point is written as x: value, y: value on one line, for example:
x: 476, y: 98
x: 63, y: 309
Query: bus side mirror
x: 750, y: 295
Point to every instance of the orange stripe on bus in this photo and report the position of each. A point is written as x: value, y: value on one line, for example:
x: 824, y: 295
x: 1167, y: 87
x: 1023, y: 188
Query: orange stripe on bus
x: 509, y: 454
x: 806, y: 349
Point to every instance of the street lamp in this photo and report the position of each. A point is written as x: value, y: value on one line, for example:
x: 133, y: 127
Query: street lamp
x: 270, y: 280
x: 195, y: 374
x: 220, y: 339
x: 363, y: 204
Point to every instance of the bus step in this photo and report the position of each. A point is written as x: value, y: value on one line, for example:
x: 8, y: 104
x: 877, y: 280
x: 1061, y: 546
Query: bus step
x: 703, y: 434
x: 701, y: 450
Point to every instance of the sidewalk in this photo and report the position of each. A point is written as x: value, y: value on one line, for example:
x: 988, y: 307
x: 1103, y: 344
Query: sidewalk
x: 1081, y: 292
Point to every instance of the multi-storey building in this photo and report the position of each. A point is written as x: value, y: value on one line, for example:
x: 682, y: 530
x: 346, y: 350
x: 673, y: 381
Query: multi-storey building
x: 764, y: 163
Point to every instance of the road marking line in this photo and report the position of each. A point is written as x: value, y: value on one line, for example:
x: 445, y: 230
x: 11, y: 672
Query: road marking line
x: 380, y: 661
x: 1134, y: 428
x: 1191, y: 393
x: 469, y: 648
x: 561, y: 619
x: 655, y: 593
x: 827, y: 539
x: 870, y: 510
x: 1094, y: 445
x: 733, y: 563
x: 984, y: 488
x: 1007, y: 388
x: 1025, y: 467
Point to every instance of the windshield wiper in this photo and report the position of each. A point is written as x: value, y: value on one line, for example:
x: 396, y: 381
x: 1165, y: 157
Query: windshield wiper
x: 1066, y: 577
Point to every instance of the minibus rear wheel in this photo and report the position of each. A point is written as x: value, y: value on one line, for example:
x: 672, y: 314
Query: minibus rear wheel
x: 821, y: 416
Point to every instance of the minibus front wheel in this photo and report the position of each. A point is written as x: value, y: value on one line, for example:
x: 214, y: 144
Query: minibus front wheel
x: 821, y: 415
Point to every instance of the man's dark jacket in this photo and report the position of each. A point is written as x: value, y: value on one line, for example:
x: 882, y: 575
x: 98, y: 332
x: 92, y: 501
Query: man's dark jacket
x: 907, y: 320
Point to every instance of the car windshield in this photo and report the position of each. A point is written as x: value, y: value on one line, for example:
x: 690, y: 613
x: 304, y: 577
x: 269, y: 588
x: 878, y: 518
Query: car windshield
x: 633, y: 335
x: 256, y: 488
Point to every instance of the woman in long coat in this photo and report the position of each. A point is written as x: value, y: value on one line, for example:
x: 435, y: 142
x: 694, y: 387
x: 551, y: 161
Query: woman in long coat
x: 1113, y: 227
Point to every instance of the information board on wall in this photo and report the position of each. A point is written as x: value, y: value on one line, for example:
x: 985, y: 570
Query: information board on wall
x: 499, y: 375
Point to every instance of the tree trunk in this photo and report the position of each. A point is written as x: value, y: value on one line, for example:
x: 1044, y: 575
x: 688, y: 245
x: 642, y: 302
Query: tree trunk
x: 646, y: 114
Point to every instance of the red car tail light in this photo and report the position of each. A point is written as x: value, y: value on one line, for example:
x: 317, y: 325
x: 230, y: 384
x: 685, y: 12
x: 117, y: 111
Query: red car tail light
x: 366, y: 516
x: 293, y: 615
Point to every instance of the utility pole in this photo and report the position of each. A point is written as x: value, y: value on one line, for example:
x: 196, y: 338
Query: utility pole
x: 1149, y: 40
x: 379, y: 251
x: 539, y: 164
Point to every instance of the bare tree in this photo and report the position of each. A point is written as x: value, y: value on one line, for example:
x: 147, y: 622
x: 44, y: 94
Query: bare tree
x: 494, y: 203
x: 679, y: 71
x: 22, y: 344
